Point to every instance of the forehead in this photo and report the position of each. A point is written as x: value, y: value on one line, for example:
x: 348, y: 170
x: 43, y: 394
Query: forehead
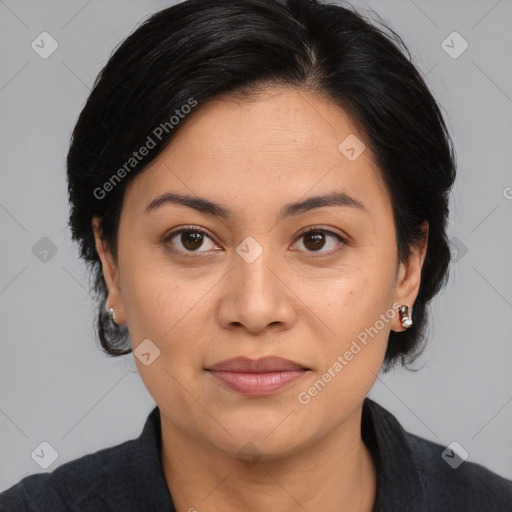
x: 277, y: 144
x: 272, y: 122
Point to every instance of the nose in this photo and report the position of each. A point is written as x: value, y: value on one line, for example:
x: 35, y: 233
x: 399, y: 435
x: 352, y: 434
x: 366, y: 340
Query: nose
x: 257, y: 294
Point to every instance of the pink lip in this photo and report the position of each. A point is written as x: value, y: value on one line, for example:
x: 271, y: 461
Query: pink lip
x: 259, y: 377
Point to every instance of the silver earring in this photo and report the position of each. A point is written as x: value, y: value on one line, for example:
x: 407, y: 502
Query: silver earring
x: 405, y: 313
x: 112, y: 314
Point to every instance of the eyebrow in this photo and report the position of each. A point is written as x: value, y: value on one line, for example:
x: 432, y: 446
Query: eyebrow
x: 203, y: 205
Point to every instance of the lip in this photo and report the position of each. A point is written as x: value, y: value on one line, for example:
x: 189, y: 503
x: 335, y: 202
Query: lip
x: 262, y: 365
x: 257, y: 377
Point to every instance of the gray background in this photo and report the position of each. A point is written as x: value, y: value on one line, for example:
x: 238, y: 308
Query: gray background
x: 56, y: 386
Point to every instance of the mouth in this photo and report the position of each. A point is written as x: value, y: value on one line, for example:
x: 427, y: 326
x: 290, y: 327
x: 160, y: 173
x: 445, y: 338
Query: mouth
x: 257, y: 377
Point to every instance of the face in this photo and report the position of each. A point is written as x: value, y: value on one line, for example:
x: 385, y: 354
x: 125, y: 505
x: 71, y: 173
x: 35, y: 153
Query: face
x: 316, y: 285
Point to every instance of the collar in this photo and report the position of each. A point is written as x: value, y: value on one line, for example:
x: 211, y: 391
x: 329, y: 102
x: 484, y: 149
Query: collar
x: 396, y: 459
x: 150, y: 468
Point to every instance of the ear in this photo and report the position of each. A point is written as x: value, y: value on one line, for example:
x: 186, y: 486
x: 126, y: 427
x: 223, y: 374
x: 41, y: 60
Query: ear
x: 110, y: 273
x: 409, y: 278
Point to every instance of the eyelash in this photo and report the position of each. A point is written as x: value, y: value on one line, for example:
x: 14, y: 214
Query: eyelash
x: 195, y: 229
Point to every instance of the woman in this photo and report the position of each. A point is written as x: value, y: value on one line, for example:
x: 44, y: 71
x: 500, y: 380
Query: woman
x: 261, y: 190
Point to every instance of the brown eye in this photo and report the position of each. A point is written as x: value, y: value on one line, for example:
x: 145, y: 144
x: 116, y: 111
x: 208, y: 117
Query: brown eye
x: 314, y: 240
x: 187, y: 240
x: 191, y: 240
x: 317, y: 239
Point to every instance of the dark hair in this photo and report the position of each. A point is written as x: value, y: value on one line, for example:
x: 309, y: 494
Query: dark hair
x: 199, y: 49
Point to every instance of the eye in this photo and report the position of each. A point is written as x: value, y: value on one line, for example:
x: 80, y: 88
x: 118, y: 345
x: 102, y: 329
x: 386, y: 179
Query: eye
x: 318, y: 238
x: 191, y: 239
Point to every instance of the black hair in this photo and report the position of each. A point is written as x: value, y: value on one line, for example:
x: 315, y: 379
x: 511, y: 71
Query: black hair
x: 196, y: 50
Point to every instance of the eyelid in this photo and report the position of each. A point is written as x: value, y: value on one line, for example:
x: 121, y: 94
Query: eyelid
x: 187, y: 228
x: 326, y: 229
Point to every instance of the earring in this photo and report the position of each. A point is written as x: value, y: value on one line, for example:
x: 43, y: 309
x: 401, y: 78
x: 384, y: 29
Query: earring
x: 405, y: 313
x: 112, y: 314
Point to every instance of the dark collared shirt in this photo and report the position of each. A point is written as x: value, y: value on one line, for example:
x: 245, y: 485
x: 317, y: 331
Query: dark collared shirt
x: 128, y: 477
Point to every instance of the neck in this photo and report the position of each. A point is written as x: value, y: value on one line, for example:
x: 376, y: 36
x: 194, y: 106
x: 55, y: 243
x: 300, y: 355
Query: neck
x: 334, y: 473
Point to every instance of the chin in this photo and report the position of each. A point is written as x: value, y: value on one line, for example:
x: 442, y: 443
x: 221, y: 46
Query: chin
x: 265, y: 443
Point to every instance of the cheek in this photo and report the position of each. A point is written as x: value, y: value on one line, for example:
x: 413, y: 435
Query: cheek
x: 357, y: 308
x: 355, y: 297
x: 161, y: 309
x: 159, y: 300
x: 164, y: 308
x: 351, y: 358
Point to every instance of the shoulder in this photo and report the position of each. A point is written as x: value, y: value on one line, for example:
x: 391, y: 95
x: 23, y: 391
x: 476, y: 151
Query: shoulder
x: 452, y: 483
x: 74, y: 483
x: 417, y: 474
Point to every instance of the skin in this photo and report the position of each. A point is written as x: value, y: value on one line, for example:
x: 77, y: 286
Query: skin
x: 253, y: 157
